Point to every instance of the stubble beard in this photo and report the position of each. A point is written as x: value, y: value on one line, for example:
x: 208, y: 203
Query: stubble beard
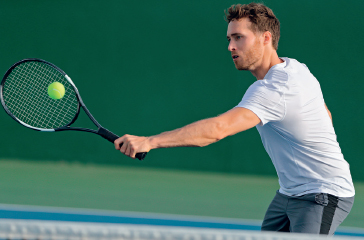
x: 250, y: 58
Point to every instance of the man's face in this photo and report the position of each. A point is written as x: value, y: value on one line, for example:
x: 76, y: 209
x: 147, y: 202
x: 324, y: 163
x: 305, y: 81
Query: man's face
x: 245, y: 46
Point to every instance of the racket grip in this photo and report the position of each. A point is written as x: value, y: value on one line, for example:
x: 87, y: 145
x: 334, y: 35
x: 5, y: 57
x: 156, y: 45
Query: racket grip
x: 103, y: 132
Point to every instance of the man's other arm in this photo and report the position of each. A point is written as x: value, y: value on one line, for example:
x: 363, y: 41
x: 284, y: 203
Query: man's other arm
x: 328, y: 112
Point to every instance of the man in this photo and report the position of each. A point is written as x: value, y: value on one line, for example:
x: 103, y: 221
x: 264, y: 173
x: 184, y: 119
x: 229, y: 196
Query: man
x: 287, y: 107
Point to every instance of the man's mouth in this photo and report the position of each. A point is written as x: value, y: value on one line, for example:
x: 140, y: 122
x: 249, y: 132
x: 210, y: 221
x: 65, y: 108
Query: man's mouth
x: 235, y: 57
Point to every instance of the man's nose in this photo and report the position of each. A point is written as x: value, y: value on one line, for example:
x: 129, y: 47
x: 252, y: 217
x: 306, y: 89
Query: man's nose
x: 231, y: 46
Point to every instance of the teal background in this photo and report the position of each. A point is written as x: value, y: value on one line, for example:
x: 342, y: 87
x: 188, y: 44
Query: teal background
x: 151, y: 66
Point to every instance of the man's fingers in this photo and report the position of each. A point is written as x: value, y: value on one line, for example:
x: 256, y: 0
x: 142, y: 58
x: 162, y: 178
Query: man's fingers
x: 117, y: 143
x: 132, y: 153
x: 129, y: 150
x: 125, y: 149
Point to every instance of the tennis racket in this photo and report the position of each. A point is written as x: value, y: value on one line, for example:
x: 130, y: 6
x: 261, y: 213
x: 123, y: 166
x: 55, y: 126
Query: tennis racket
x: 24, y: 96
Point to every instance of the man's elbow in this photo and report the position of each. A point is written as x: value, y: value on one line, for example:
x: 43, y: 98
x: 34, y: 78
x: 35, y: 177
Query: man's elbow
x: 221, y: 130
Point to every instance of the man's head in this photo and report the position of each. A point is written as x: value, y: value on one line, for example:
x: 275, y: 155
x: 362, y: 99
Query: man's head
x: 261, y: 17
x: 252, y: 32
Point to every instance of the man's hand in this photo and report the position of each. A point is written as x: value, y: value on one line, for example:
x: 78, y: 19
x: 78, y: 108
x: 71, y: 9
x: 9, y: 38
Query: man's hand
x: 132, y: 145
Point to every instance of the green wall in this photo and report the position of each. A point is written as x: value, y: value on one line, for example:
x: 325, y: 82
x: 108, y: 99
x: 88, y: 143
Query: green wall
x: 151, y: 66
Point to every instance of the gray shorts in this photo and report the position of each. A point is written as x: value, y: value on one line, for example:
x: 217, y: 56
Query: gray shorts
x: 318, y: 213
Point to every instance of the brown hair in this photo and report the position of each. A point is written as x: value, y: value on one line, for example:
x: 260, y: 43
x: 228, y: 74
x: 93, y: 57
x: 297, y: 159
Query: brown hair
x: 261, y: 17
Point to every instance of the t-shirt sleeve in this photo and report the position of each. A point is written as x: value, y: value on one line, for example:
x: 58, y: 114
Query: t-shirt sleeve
x: 267, y: 102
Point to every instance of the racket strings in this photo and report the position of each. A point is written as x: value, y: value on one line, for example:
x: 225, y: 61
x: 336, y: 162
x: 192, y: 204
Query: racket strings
x: 25, y: 94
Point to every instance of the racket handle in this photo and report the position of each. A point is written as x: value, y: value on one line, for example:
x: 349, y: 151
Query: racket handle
x: 103, y: 132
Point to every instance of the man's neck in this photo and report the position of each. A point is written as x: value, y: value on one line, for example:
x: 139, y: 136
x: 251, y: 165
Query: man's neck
x: 265, y: 64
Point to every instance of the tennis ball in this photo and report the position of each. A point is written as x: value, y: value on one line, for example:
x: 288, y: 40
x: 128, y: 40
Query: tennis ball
x: 56, y: 90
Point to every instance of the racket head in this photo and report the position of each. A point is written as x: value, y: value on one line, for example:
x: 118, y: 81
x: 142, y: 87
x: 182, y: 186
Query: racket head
x: 24, y: 95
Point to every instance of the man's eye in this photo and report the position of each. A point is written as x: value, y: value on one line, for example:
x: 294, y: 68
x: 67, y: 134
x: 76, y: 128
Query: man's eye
x: 228, y: 40
x: 238, y: 37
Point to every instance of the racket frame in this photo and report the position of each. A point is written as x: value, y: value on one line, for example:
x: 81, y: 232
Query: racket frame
x: 103, y: 132
x: 79, y: 100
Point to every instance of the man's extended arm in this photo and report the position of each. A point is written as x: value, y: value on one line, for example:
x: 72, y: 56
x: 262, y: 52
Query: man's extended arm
x: 197, y: 134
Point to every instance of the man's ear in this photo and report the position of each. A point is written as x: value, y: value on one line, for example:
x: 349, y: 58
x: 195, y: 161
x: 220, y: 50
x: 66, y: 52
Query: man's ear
x: 267, y: 38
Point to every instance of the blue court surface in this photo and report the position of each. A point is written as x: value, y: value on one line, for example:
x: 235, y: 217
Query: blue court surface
x: 119, y: 217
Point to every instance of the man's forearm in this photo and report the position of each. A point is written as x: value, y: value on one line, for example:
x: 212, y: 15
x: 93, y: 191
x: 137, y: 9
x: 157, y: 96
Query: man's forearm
x: 197, y: 134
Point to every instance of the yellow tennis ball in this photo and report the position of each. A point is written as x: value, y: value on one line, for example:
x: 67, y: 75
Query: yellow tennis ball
x: 56, y: 90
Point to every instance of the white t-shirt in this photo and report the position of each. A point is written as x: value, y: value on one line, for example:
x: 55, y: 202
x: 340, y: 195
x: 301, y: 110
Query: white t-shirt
x: 297, y: 132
